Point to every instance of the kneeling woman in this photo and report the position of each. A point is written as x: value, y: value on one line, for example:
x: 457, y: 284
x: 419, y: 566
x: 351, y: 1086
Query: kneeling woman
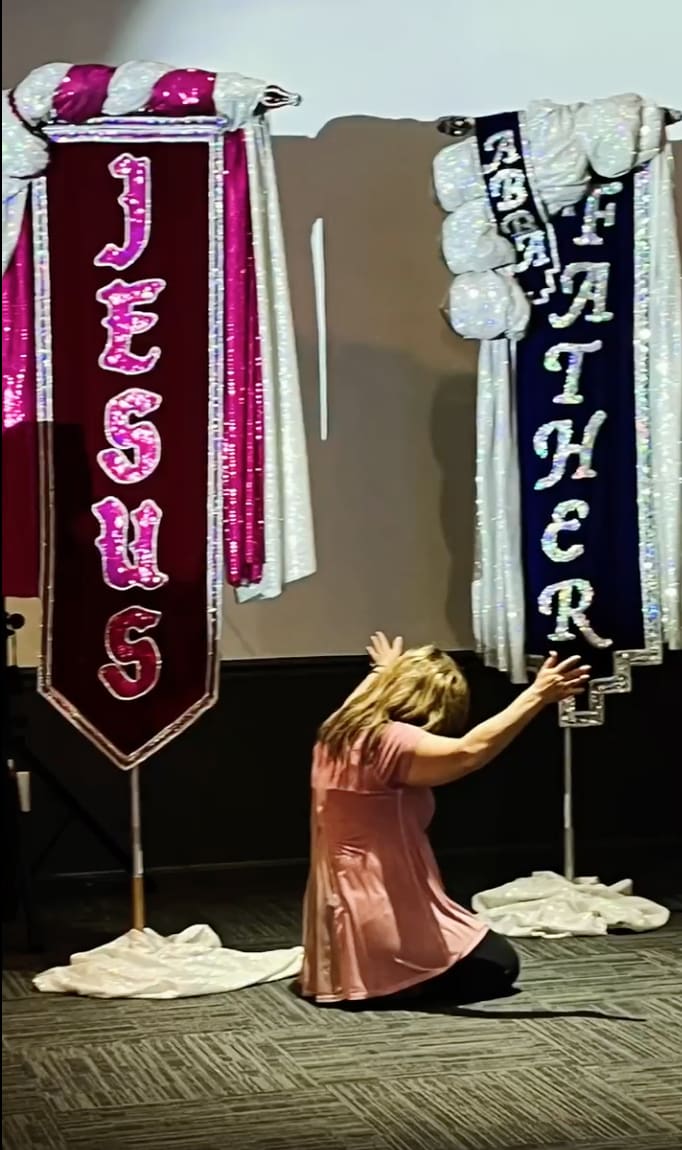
x: 377, y: 921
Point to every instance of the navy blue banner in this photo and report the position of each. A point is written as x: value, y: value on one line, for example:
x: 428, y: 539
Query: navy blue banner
x: 575, y: 403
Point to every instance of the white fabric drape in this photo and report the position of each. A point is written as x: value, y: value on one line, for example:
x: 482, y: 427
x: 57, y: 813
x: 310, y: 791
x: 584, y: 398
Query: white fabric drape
x: 546, y: 905
x: 497, y: 588
x: 144, y: 964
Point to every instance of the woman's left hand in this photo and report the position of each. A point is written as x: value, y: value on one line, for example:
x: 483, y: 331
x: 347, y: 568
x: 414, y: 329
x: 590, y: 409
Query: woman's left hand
x: 383, y: 653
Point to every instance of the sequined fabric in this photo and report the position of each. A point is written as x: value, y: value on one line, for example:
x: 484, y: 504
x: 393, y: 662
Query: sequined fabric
x: 562, y: 146
x: 185, y: 92
x: 665, y: 394
x: 497, y: 588
x: 243, y: 398
x: 20, y: 552
x: 75, y: 93
x: 18, y: 367
x: 289, y: 536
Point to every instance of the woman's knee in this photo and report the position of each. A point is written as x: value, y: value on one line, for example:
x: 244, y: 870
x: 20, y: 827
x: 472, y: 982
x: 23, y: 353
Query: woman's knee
x: 512, y: 966
x: 500, y: 952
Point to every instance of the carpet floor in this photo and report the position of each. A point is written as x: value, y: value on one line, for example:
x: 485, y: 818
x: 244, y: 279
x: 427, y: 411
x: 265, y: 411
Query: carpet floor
x: 588, y: 1056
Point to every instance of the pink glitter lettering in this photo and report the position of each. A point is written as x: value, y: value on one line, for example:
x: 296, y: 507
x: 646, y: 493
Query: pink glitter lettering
x: 112, y: 543
x: 122, y: 322
x: 135, y: 665
x: 142, y: 439
x: 136, y: 203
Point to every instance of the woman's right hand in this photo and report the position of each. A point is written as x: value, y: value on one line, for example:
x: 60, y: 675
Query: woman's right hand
x: 382, y: 652
x: 556, y: 681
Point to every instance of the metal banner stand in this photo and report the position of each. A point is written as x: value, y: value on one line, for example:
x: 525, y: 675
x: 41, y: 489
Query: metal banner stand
x: 569, y: 835
x: 22, y: 764
x: 137, y: 884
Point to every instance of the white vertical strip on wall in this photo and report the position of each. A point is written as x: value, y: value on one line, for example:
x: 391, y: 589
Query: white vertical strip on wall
x: 319, y: 279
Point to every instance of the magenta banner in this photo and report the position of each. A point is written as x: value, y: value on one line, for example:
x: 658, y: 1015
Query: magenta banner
x: 129, y: 312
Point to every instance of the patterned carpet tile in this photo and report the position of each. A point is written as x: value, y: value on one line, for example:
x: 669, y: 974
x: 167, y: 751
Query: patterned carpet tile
x: 566, y: 978
x: 639, y: 1142
x: 587, y: 1057
x: 154, y: 1071
x: 430, y: 1045
x: 55, y: 1020
x: 531, y: 1107
x: 654, y: 1086
x: 16, y: 985
x: 19, y: 1085
x: 36, y: 1130
x: 312, y: 1120
x: 598, y: 1042
x: 664, y: 1007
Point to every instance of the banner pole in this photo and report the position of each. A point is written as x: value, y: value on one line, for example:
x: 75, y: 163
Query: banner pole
x: 137, y: 892
x: 569, y: 837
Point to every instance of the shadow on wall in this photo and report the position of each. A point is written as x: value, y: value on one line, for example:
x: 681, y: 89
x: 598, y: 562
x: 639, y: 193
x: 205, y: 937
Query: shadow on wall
x: 393, y: 484
x: 81, y: 33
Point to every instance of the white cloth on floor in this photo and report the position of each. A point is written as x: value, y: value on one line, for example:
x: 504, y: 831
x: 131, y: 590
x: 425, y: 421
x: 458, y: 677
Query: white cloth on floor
x: 144, y: 964
x: 547, y: 905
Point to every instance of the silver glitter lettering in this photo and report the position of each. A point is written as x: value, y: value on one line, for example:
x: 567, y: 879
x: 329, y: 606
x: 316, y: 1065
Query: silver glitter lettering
x: 594, y: 213
x: 518, y: 223
x: 569, y: 612
x: 565, y: 447
x: 503, y: 149
x: 576, y: 353
x: 593, y: 289
x: 509, y: 187
x: 533, y: 247
x: 560, y: 521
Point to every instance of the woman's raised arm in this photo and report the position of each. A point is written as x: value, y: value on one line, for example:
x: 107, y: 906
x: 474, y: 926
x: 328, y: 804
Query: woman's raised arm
x: 438, y: 760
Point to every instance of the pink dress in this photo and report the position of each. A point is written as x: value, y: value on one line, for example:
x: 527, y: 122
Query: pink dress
x: 376, y: 917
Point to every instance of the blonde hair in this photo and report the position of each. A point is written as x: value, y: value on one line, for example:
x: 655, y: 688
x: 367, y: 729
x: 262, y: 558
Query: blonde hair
x: 424, y: 687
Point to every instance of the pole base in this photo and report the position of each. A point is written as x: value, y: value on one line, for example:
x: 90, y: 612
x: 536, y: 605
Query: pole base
x: 138, y: 907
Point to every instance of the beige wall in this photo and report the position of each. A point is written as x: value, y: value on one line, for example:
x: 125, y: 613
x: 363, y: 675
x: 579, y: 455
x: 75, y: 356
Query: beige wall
x: 393, y: 485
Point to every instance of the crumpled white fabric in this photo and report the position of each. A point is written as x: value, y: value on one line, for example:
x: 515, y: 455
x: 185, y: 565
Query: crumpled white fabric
x: 613, y: 136
x: 472, y: 243
x: 457, y: 175
x: 619, y: 133
x: 144, y: 964
x: 562, y: 144
x: 486, y: 305
x: 558, y: 160
x: 236, y: 97
x: 547, y: 905
x: 131, y: 86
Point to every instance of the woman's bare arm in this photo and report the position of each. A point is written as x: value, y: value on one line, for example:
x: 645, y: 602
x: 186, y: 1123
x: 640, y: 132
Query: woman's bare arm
x: 439, y: 760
